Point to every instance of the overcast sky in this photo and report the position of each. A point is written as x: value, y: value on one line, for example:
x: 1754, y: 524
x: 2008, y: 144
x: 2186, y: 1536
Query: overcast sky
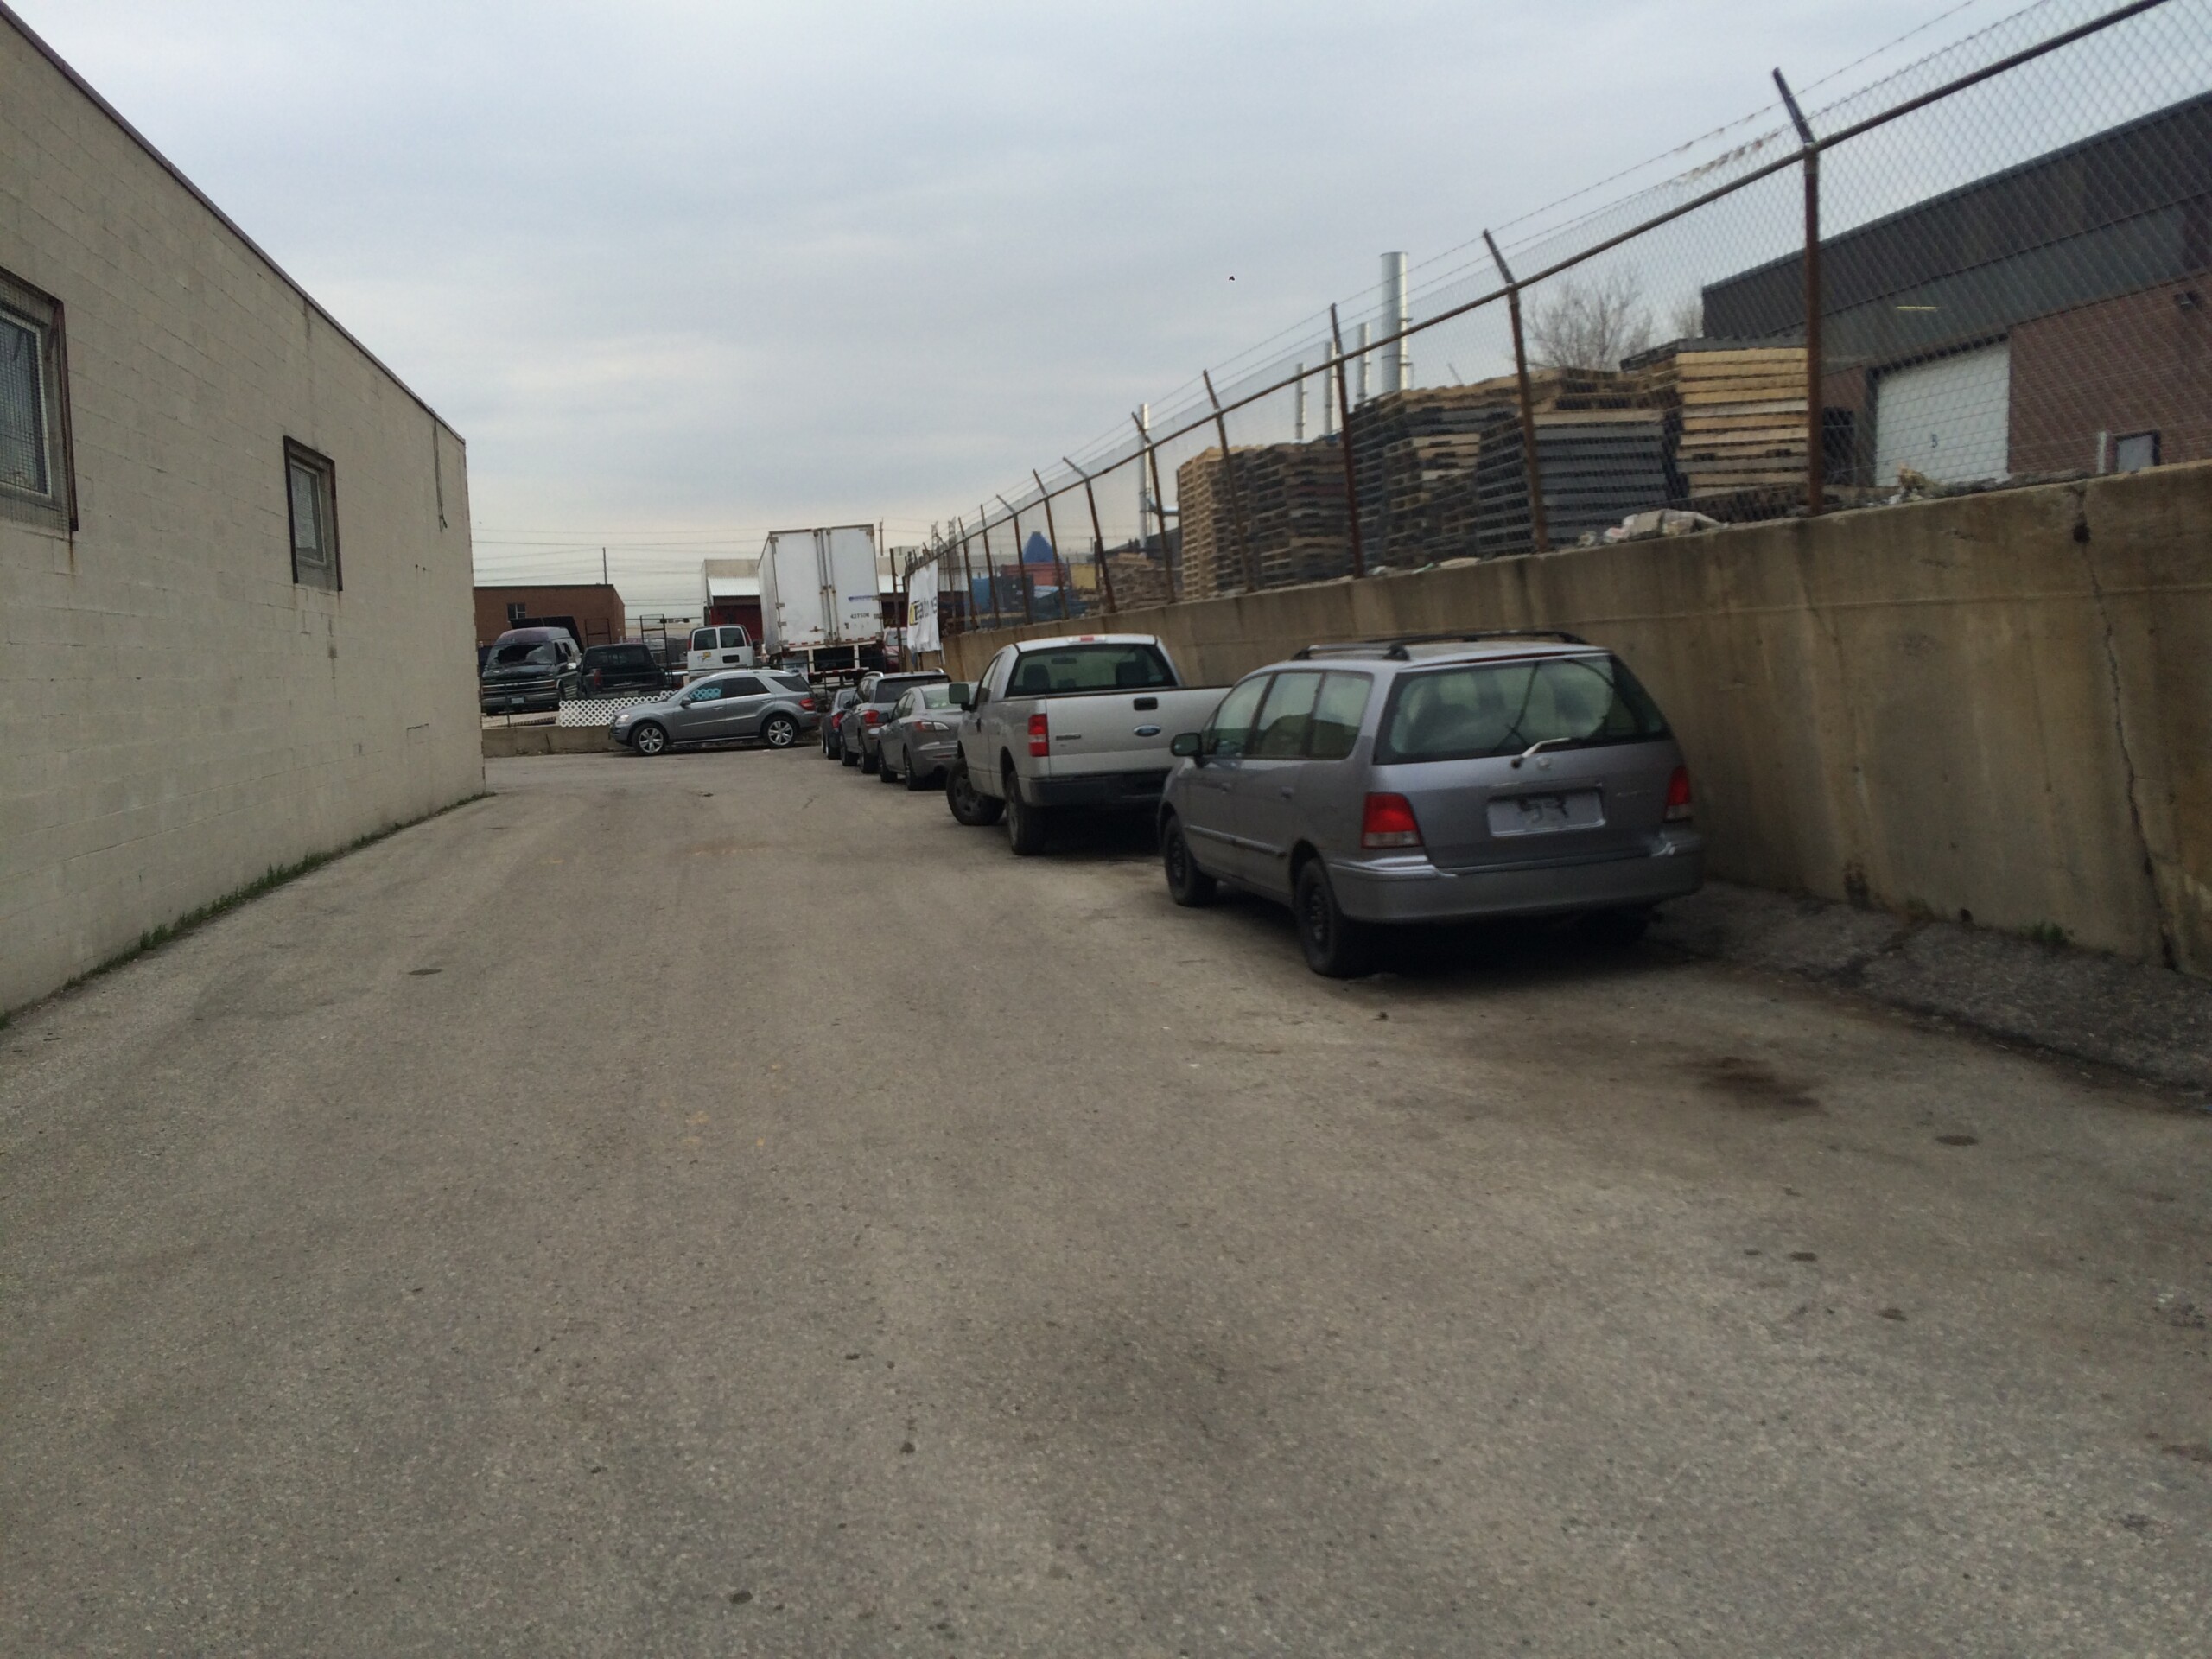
x: 681, y: 272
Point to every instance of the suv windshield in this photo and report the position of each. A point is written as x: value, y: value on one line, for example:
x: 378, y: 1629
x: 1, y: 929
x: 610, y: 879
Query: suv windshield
x: 1090, y: 668
x: 1491, y: 709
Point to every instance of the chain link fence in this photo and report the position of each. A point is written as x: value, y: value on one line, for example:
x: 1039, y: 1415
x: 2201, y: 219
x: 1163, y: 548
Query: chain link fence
x: 2003, y: 249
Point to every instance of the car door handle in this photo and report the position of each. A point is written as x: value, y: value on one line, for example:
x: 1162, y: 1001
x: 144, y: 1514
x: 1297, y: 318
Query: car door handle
x: 1147, y: 731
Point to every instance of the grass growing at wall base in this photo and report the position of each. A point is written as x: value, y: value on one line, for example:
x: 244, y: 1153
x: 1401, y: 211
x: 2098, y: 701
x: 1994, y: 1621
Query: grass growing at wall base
x: 274, y: 877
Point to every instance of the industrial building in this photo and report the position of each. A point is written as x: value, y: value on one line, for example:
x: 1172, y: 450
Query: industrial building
x: 2048, y: 318
x: 234, y: 551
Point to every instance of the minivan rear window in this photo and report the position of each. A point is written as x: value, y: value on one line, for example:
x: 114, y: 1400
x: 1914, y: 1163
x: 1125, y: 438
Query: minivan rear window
x: 1090, y: 668
x: 1477, y: 709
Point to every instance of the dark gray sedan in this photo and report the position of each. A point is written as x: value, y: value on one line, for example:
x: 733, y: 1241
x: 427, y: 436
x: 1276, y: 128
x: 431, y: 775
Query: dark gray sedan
x: 770, y: 708
x: 1434, y: 781
x: 922, y: 735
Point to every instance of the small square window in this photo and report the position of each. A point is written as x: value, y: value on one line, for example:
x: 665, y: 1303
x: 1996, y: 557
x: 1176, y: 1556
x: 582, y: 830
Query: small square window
x: 2133, y: 451
x: 311, y: 495
x: 34, y: 478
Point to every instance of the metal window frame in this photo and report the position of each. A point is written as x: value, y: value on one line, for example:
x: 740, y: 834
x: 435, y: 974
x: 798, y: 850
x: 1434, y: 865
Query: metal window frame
x: 325, y: 472
x: 55, y: 509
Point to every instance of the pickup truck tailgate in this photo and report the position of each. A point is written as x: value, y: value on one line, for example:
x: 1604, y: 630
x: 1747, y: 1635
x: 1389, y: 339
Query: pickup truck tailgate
x: 1120, y: 731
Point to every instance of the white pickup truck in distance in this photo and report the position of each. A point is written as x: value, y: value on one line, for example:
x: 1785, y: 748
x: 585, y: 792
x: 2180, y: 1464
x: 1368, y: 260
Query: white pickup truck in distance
x: 1081, y: 721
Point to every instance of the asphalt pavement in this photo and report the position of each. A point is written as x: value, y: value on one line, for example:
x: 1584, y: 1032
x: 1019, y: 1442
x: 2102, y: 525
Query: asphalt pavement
x: 716, y: 1205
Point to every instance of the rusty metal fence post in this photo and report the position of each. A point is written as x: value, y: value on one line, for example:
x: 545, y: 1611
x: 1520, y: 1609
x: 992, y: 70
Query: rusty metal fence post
x: 1816, y: 394
x: 1097, y: 538
x: 1052, y: 535
x: 1020, y: 561
x: 990, y: 570
x: 1540, y: 539
x: 1344, y: 422
x: 968, y: 576
x: 1229, y: 488
x: 1148, y: 464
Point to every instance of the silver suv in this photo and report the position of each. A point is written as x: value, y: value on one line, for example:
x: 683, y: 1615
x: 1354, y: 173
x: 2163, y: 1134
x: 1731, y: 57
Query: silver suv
x: 1432, y: 780
x: 767, y: 705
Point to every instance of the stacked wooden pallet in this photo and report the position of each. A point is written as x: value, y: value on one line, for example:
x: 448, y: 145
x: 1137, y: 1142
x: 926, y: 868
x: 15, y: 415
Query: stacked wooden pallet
x: 1290, y: 500
x: 1736, y: 414
x: 1598, y: 466
x: 1138, y: 579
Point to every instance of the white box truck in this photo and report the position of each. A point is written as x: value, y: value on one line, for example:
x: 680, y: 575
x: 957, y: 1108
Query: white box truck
x: 821, y: 610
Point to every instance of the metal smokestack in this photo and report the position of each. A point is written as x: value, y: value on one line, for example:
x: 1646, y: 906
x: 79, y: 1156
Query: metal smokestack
x: 1397, y: 316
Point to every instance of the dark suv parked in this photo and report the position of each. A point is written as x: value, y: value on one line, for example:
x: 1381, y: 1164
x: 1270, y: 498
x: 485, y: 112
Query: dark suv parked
x: 528, y: 668
x: 626, y: 670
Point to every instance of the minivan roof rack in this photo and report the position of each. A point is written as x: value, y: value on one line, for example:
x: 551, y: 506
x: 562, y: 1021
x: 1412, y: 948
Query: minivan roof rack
x: 1394, y: 647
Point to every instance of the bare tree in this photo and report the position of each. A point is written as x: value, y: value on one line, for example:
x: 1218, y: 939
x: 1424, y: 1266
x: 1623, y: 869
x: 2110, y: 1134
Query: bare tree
x: 1591, y: 325
x: 1685, y: 317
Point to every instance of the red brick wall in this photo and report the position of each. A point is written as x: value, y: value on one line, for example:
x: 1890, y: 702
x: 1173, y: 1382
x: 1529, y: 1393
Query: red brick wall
x: 597, y: 610
x: 2140, y: 362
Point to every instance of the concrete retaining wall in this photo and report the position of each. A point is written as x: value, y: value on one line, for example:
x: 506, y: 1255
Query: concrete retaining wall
x: 501, y: 742
x: 1997, y: 707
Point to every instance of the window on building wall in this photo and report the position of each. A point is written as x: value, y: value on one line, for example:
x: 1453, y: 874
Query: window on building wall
x: 2132, y: 451
x: 310, y: 488
x: 35, y: 480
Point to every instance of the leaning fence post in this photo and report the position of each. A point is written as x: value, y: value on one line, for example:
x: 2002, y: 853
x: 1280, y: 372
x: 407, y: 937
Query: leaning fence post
x: 990, y: 571
x: 1020, y: 561
x: 1097, y: 538
x: 1815, y: 396
x: 1228, y: 486
x: 1540, y: 538
x: 1052, y: 535
x: 967, y: 618
x: 1150, y: 460
x: 1351, y: 477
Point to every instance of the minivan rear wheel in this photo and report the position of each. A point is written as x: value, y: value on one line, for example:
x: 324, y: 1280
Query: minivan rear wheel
x: 1188, y: 885
x: 1335, y: 945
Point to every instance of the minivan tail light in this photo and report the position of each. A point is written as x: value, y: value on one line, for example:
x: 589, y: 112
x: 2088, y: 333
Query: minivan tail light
x: 1388, y: 822
x: 1678, y: 796
x: 1040, y: 737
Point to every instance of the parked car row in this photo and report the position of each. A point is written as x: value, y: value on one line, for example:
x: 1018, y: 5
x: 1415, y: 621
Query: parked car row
x: 1365, y: 785
x: 527, y: 669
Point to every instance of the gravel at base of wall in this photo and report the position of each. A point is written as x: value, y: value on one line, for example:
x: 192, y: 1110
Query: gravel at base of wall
x: 2147, y: 1020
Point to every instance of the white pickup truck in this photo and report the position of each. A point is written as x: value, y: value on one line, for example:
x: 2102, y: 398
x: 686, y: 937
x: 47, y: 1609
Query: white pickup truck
x: 1083, y: 720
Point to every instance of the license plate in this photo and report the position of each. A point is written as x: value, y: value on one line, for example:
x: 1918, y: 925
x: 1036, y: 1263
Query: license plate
x: 1536, y: 815
x: 516, y: 702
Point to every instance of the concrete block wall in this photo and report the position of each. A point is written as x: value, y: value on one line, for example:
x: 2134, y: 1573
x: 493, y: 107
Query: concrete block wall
x: 1996, y: 706
x: 176, y: 715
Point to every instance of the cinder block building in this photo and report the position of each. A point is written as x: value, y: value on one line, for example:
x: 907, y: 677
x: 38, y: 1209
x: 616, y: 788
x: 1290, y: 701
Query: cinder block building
x: 235, y: 617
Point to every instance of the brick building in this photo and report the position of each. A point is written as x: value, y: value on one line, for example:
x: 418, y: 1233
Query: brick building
x: 592, y: 612
x: 2053, y: 317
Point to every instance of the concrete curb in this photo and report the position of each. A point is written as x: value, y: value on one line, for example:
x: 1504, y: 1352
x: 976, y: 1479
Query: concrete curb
x: 2152, y: 1022
x: 502, y: 742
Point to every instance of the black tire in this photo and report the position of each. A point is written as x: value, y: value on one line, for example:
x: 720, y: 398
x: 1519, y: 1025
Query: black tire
x: 779, y: 731
x: 1335, y: 945
x: 871, y: 764
x: 915, y: 782
x: 1025, y: 824
x: 969, y: 804
x: 883, y: 773
x: 846, y: 757
x: 649, y: 738
x: 1615, y: 930
x: 1188, y: 885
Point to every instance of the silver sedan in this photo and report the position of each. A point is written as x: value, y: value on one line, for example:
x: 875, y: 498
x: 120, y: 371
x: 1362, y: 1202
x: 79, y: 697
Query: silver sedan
x: 920, y: 739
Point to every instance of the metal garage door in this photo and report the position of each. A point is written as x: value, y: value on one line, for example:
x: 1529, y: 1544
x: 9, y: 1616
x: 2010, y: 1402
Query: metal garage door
x: 1948, y: 419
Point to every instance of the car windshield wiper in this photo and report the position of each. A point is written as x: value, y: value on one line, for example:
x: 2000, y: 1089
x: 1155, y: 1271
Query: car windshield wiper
x: 1540, y: 744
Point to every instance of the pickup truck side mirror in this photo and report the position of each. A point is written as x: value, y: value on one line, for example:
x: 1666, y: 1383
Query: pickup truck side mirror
x: 1184, y: 744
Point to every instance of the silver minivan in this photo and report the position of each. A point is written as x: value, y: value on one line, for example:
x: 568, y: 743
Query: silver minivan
x: 1434, y: 781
